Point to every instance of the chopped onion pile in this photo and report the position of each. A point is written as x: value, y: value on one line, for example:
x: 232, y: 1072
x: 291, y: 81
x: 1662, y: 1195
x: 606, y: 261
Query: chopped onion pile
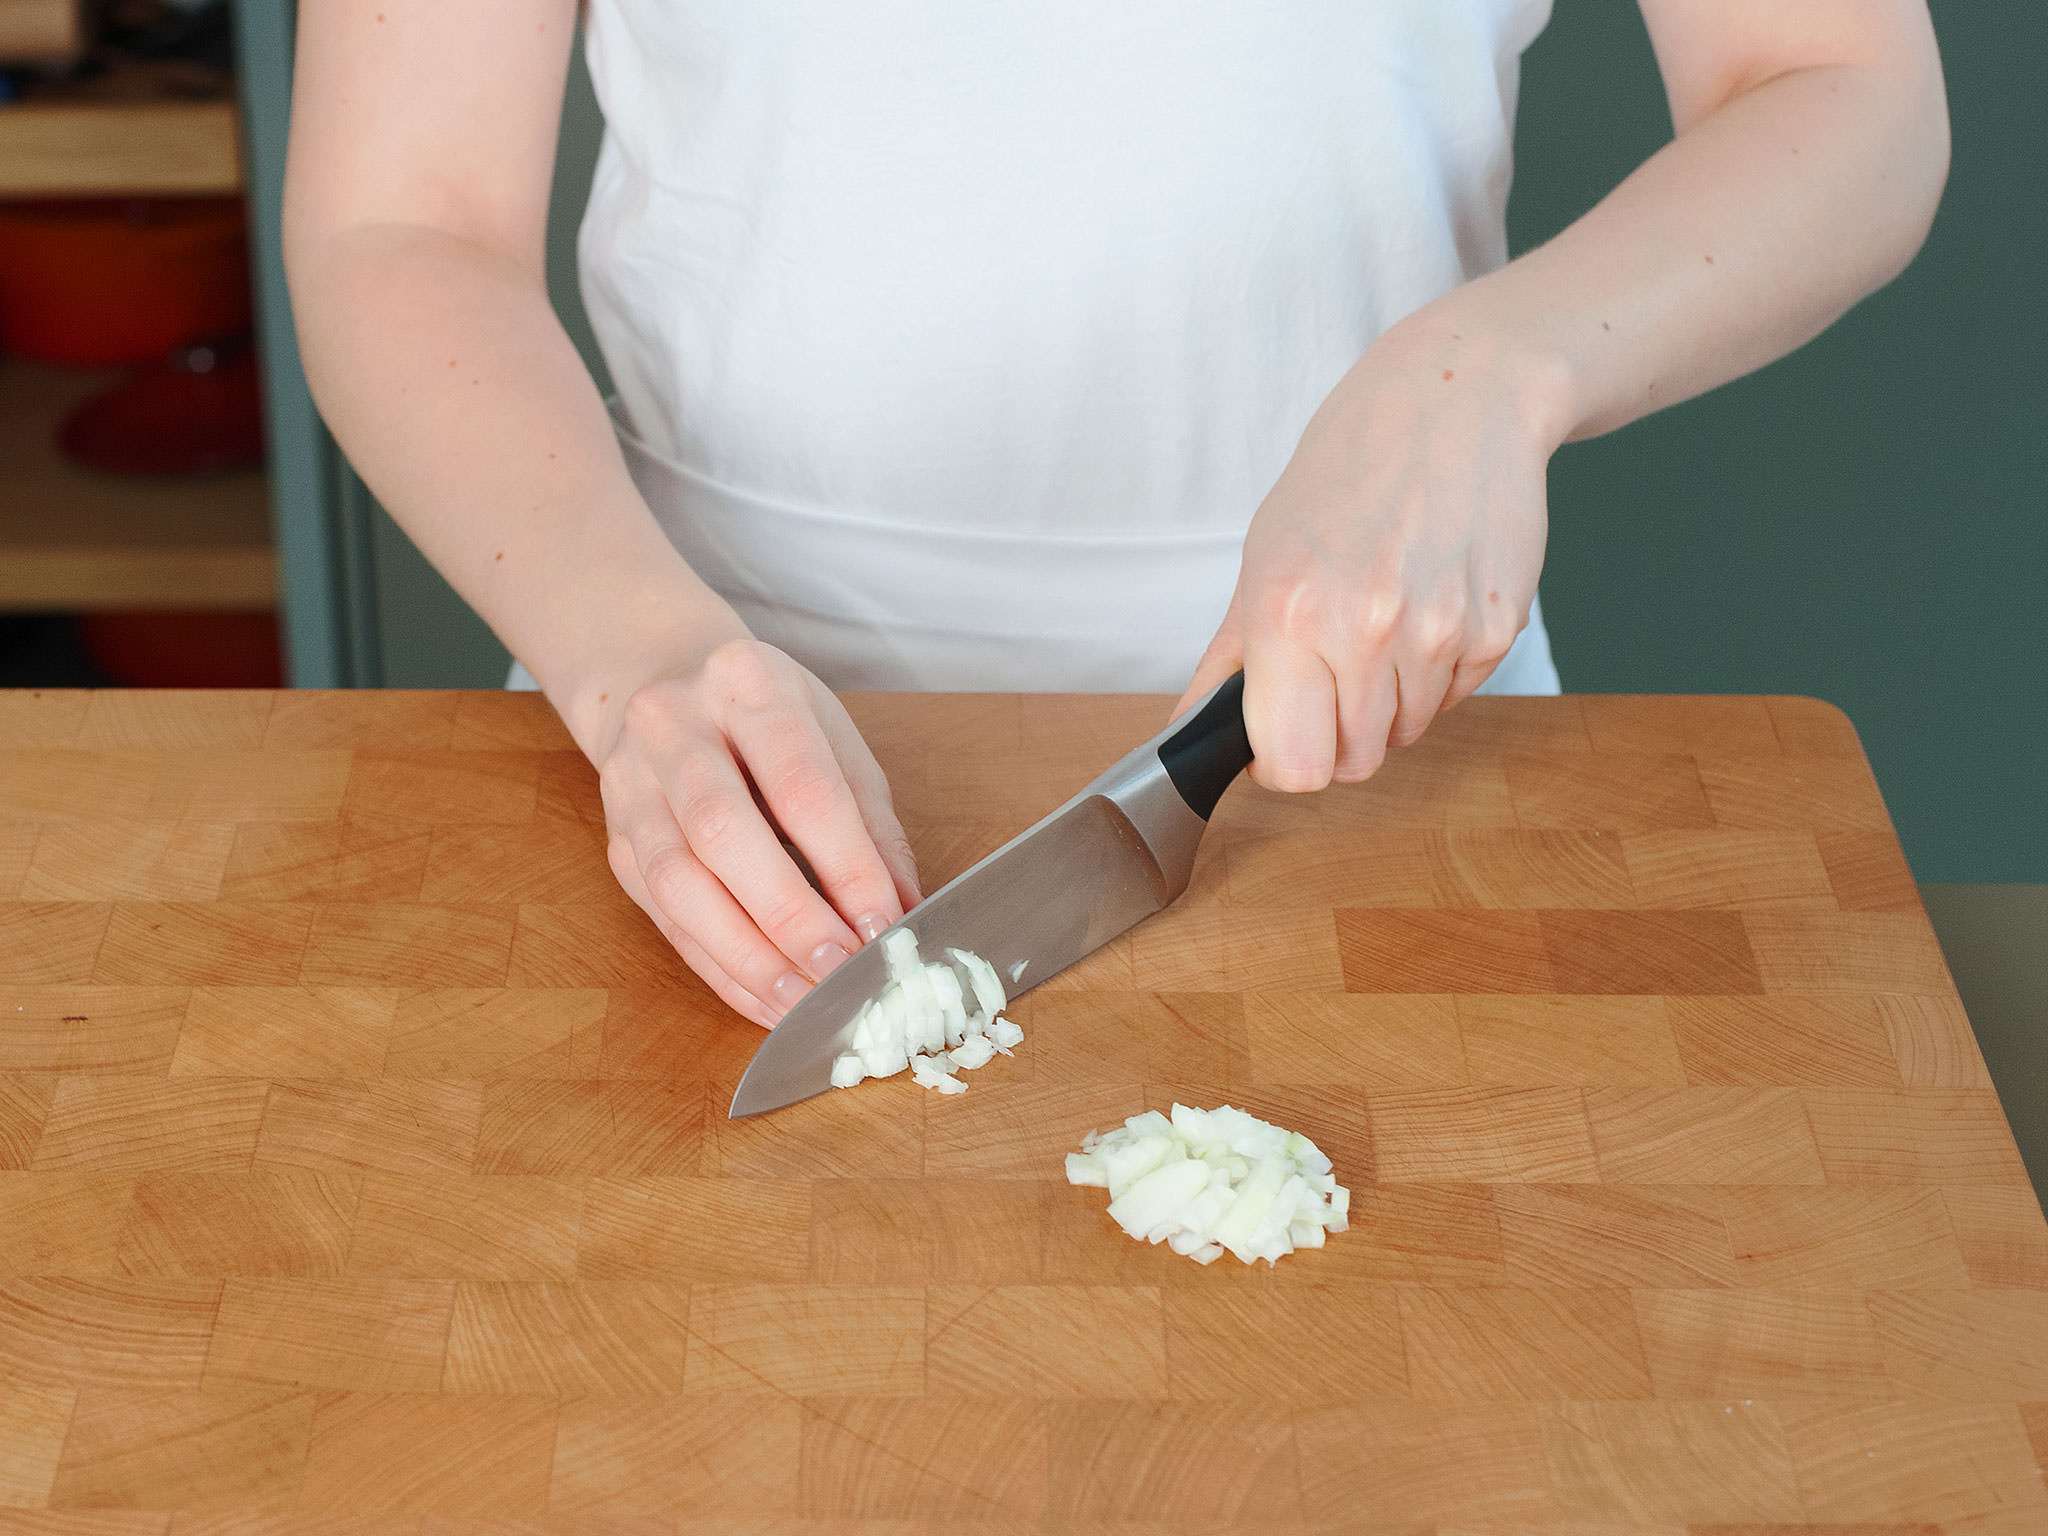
x: 1209, y: 1180
x: 937, y: 1019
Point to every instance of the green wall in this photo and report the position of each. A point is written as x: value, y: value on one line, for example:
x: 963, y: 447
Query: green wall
x: 1867, y: 520
x: 1864, y: 521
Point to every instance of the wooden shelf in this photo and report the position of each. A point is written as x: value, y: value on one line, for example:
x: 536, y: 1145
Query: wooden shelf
x: 72, y: 540
x: 62, y: 149
x: 46, y: 31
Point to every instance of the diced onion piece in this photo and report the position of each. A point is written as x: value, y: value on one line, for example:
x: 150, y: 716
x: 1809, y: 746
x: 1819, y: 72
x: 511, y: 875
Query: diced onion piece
x: 929, y: 1071
x: 951, y: 1002
x: 899, y: 953
x: 935, y: 1072
x: 1085, y: 1169
x: 973, y: 1052
x: 924, y: 1027
x: 1150, y: 1204
x: 1127, y: 1163
x: 988, y: 986
x: 1254, y: 1203
x: 922, y: 1019
x: 1209, y: 1182
x: 884, y: 1060
x: 1193, y: 1124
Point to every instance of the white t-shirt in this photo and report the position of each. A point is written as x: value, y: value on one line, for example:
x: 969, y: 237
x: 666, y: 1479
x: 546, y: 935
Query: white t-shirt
x: 956, y: 343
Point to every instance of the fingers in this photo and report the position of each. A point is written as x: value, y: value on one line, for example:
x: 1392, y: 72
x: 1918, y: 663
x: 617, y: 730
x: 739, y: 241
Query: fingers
x: 870, y: 788
x: 1365, y: 715
x: 806, y: 789
x: 735, y: 996
x: 728, y: 794
x: 1420, y: 685
x: 696, y: 903
x: 1465, y: 681
x: 625, y: 860
x: 1443, y: 662
x: 726, y: 833
x: 1290, y: 714
x: 1331, y: 710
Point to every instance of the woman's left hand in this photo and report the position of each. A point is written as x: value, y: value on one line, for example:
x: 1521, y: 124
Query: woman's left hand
x: 1393, y: 563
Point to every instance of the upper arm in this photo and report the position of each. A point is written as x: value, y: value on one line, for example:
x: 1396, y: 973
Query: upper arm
x: 438, y: 113
x: 1711, y: 51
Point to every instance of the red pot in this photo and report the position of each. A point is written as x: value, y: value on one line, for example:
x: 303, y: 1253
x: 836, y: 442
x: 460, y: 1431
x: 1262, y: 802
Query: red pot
x: 185, y: 650
x: 198, y: 410
x: 100, y: 282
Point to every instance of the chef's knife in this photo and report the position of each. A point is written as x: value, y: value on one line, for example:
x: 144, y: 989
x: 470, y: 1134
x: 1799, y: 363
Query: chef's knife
x: 1114, y: 854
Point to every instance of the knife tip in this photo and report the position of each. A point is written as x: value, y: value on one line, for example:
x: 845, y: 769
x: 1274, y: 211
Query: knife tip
x: 750, y: 1099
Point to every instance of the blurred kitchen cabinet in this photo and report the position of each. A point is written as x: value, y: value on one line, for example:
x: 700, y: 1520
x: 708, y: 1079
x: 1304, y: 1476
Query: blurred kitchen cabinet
x: 110, y: 148
x: 72, y: 540
x: 35, y: 31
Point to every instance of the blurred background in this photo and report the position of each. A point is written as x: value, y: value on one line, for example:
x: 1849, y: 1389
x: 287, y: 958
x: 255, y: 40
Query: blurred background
x: 1866, y: 521
x: 135, y: 519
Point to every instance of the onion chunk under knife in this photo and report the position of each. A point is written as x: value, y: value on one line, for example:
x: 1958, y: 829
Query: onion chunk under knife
x: 936, y: 1019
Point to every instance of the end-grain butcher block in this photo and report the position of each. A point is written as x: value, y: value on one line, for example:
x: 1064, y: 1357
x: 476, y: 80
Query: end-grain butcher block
x: 364, y: 1164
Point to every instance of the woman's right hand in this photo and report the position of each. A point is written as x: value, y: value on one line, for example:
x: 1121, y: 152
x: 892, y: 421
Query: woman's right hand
x: 709, y: 778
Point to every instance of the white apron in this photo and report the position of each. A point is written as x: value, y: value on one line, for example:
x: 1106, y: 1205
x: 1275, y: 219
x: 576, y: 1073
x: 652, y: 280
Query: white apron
x: 956, y: 344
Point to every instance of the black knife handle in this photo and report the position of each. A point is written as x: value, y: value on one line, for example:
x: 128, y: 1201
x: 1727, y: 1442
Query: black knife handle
x: 1210, y: 749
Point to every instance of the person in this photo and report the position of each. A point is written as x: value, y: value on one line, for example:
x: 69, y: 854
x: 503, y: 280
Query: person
x: 1062, y: 345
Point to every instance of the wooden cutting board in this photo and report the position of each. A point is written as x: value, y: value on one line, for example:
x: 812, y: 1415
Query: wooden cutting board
x: 365, y: 1155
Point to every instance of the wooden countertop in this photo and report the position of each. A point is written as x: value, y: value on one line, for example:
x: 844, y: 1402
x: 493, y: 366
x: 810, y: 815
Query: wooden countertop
x: 365, y: 1152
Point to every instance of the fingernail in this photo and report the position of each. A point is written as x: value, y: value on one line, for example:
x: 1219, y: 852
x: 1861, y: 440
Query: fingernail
x: 825, y: 958
x: 870, y: 927
x: 790, y: 989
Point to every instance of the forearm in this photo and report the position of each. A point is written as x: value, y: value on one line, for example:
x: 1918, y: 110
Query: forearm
x: 458, y: 397
x: 1750, y: 232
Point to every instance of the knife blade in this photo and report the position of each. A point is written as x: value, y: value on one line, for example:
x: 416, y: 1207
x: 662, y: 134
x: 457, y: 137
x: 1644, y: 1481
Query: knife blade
x: 1113, y: 855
